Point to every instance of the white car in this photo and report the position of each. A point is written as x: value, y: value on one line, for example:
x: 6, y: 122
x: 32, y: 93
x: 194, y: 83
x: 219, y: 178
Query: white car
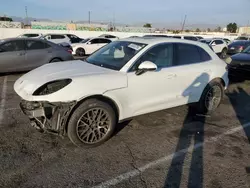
x: 194, y: 38
x: 62, y: 38
x: 86, y: 99
x: 89, y: 45
x: 31, y: 35
x: 110, y: 37
x: 219, y: 46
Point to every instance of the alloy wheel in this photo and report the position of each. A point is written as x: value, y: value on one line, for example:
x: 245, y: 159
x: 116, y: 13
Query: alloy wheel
x: 93, y: 125
x: 213, y: 98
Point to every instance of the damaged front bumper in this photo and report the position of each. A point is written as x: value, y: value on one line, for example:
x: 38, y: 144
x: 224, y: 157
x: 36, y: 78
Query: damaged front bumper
x: 48, y: 117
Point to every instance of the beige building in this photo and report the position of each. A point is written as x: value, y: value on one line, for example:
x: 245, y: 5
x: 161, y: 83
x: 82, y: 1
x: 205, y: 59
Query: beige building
x: 244, y: 30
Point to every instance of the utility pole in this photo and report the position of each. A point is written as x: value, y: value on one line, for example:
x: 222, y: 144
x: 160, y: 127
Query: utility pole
x: 89, y: 17
x: 26, y: 13
x: 183, y: 25
x: 114, y: 21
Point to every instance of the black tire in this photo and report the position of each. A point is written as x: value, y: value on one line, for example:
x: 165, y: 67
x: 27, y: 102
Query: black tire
x: 55, y: 60
x: 79, y: 128
x: 223, y: 54
x: 80, y: 52
x: 202, y: 105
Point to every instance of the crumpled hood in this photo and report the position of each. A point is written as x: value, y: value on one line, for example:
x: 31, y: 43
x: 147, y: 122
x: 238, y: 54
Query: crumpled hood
x: 84, y: 75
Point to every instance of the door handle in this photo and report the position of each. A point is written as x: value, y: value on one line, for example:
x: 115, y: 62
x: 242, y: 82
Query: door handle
x: 171, y: 76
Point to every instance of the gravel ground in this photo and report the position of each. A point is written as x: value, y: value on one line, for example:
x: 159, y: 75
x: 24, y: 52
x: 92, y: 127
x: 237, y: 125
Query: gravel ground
x: 31, y: 159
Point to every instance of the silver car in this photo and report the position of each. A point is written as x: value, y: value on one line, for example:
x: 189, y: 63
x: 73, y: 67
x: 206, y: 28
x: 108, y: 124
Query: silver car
x: 24, y: 54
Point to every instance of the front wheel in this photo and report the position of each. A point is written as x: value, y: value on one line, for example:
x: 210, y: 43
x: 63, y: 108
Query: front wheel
x: 91, y: 124
x: 211, y: 97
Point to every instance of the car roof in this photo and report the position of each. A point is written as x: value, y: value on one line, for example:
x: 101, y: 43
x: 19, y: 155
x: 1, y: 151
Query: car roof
x: 155, y: 40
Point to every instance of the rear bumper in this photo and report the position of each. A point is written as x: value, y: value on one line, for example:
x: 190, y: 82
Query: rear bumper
x: 47, y: 117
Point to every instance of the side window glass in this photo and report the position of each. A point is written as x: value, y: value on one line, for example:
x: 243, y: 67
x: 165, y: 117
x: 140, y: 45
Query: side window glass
x: 12, y: 46
x: 218, y: 42
x: 161, y: 55
x: 187, y: 54
x: 35, y: 45
x: 95, y: 41
x: 204, y: 55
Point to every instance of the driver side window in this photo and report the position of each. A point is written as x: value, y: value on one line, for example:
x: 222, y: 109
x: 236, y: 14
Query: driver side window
x: 161, y: 55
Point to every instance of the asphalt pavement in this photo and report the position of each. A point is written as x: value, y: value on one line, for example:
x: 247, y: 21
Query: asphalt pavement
x: 170, y: 148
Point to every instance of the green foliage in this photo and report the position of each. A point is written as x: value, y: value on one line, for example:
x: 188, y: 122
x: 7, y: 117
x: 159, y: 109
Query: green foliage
x: 232, y: 27
x: 148, y: 25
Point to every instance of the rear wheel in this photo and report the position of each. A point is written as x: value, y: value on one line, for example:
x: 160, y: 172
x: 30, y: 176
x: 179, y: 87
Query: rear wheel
x: 92, y: 123
x: 80, y: 52
x: 55, y: 60
x: 211, y: 97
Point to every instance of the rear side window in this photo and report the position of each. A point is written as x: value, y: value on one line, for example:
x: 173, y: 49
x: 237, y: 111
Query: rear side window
x: 57, y: 36
x: 218, y: 42
x: 12, y: 46
x: 204, y: 55
x: 36, y: 45
x: 187, y: 54
x: 177, y: 37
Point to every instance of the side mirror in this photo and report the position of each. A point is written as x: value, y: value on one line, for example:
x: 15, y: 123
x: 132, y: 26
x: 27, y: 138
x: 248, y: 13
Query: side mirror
x: 146, y: 66
x: 213, y: 44
x: 88, y: 43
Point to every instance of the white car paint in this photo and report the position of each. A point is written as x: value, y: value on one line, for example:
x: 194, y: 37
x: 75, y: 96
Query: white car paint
x: 90, y: 47
x: 217, y: 47
x: 133, y: 94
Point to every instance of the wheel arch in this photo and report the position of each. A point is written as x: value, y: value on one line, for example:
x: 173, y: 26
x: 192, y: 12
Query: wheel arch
x: 55, y: 58
x: 100, y: 97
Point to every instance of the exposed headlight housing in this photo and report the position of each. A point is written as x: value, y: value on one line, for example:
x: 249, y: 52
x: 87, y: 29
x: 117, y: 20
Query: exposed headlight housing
x: 52, y: 87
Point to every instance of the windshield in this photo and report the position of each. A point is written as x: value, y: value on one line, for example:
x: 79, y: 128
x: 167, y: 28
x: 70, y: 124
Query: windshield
x: 85, y: 40
x: 241, y: 38
x: 116, y: 54
x: 247, y: 50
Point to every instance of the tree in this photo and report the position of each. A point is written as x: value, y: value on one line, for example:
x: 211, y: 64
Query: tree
x: 208, y: 29
x: 6, y: 19
x: 219, y: 29
x: 187, y: 30
x: 232, y: 27
x: 198, y: 30
x: 148, y: 25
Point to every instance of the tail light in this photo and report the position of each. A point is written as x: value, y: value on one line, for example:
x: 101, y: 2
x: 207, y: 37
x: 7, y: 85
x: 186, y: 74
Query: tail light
x: 69, y: 50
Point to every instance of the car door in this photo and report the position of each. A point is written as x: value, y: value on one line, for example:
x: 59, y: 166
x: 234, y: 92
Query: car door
x: 12, y: 55
x: 93, y: 45
x: 37, y: 53
x: 152, y: 90
x: 218, y: 46
x: 192, y: 69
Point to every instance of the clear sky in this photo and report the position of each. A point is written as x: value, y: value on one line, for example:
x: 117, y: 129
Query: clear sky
x: 133, y: 11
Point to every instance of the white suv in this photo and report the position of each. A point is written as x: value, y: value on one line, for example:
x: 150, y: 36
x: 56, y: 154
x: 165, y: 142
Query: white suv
x: 60, y: 38
x: 219, y: 46
x: 86, y: 99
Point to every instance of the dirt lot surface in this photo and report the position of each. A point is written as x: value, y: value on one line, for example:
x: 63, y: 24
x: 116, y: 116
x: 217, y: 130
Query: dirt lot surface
x: 171, y: 148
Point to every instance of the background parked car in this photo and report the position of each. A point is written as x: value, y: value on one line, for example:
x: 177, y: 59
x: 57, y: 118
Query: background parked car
x: 59, y: 38
x: 90, y: 45
x: 226, y: 40
x: 23, y: 54
x: 238, y: 46
x: 110, y: 37
x: 155, y: 36
x: 240, y: 65
x: 219, y: 46
x: 243, y: 38
x: 186, y: 37
x: 199, y: 37
x: 31, y: 35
